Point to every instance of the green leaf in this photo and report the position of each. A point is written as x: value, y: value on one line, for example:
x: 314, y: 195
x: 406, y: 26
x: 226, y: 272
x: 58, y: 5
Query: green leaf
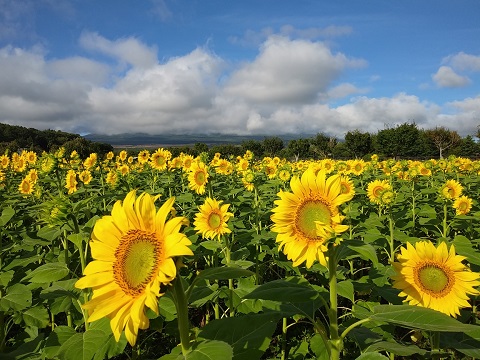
x: 290, y: 290
x: 417, y: 317
x: 372, y: 356
x: 36, y: 316
x: 95, y: 343
x: 77, y: 239
x: 166, y: 308
x: 212, y: 245
x: 49, y: 233
x: 48, y: 273
x: 249, y: 335
x: 367, y: 251
x: 56, y: 339
x: 223, y: 273
x: 396, y: 348
x: 345, y: 289
x: 467, y: 343
x: 211, y: 350
x: 318, y: 347
x: 18, y: 297
x: 5, y: 277
x: 464, y: 247
x: 7, y: 214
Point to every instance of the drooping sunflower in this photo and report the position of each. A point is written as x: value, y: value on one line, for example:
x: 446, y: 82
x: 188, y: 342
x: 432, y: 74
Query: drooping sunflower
x: 198, y: 177
x: 451, y: 190
x: 462, y: 205
x: 307, y: 217
x: 434, y: 277
x: 133, y: 251
x: 375, y: 189
x: 211, y: 220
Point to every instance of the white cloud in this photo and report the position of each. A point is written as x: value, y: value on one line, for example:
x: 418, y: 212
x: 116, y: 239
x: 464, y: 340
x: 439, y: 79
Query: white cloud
x: 288, y: 71
x: 447, y: 77
x: 161, y: 10
x: 463, y: 62
x: 128, y: 50
x: 287, y: 88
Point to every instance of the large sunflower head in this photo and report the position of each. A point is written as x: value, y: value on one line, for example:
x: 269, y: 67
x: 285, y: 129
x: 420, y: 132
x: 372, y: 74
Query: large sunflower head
x: 306, y: 218
x: 211, y: 220
x: 434, y: 277
x: 451, y: 190
x: 133, y: 251
x: 375, y: 189
x: 198, y: 177
x: 462, y: 205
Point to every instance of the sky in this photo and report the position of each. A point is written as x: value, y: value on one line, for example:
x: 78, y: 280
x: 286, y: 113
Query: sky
x: 249, y: 67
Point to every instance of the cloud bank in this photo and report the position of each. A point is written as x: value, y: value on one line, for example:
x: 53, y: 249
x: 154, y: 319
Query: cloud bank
x: 291, y: 86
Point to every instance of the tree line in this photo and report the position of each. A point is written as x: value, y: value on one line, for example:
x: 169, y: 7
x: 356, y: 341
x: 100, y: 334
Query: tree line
x: 402, y: 141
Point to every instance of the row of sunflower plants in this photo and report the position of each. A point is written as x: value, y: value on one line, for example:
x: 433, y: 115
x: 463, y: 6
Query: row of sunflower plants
x: 160, y: 257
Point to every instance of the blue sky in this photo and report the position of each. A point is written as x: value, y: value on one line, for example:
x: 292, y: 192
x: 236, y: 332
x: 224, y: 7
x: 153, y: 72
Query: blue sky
x: 267, y: 67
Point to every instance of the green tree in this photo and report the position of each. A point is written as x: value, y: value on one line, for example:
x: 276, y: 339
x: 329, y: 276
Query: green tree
x: 358, y: 143
x: 272, y: 146
x: 405, y: 141
x: 298, y: 149
x: 467, y: 147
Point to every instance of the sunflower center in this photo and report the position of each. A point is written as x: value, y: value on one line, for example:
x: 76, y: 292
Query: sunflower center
x: 344, y: 188
x: 434, y: 279
x: 138, y: 257
x: 214, y: 220
x: 200, y: 178
x: 309, y: 212
x: 376, y: 192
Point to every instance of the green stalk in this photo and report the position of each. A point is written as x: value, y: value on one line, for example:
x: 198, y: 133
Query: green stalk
x: 284, y: 339
x: 230, y: 281
x: 336, y: 342
x: 413, y: 208
x: 182, y: 315
x: 445, y: 226
x: 391, y: 240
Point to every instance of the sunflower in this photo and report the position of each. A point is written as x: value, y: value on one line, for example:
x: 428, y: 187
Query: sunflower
x: 159, y: 159
x: 198, y: 177
x: 346, y: 186
x: 375, y: 188
x: 143, y: 156
x: 4, y: 161
x: 462, y: 205
x: 434, y: 277
x: 71, y: 181
x: 90, y: 161
x: 451, y: 190
x: 85, y: 176
x: 211, y: 220
x: 307, y: 217
x: 26, y: 186
x: 133, y: 252
x: 123, y: 155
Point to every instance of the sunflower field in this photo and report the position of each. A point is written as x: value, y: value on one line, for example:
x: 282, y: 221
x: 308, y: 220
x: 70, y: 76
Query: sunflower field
x: 159, y: 257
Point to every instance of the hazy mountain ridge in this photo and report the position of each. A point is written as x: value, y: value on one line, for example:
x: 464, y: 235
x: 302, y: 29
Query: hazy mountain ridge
x: 136, y: 139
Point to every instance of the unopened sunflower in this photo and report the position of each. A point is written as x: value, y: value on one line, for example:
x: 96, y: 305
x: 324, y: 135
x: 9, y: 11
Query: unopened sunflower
x: 133, y: 251
x: 434, y: 277
x: 306, y: 218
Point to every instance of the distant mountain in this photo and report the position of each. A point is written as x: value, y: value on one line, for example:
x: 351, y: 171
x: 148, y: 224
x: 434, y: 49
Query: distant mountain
x: 143, y: 139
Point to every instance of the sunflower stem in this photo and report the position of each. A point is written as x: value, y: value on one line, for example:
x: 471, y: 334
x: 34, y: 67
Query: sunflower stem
x: 336, y: 342
x: 445, y: 226
x: 391, y: 240
x: 182, y: 315
x: 284, y: 339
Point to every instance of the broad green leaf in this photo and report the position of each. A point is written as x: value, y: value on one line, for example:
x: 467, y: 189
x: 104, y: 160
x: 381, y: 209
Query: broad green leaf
x: 395, y: 348
x: 49, y: 233
x: 467, y: 343
x: 464, y: 247
x: 212, y: 245
x: 56, y: 339
x: 417, y: 317
x: 249, y: 335
x: 318, y: 347
x: 223, y: 273
x: 291, y: 290
x: 7, y: 214
x: 36, y: 316
x: 5, y: 277
x: 367, y: 251
x: 211, y: 350
x: 77, y: 239
x: 345, y: 289
x: 166, y: 308
x: 48, y: 273
x: 18, y: 297
x: 372, y: 356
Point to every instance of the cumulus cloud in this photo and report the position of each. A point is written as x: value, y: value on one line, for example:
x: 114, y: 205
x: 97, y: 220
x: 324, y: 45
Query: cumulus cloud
x: 447, y: 77
x: 463, y: 62
x: 288, y: 71
x: 289, y: 87
x: 128, y: 50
